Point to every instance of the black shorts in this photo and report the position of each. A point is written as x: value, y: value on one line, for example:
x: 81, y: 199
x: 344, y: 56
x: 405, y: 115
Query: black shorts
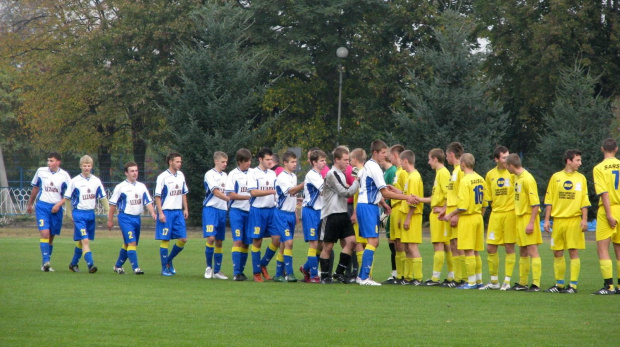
x: 336, y: 226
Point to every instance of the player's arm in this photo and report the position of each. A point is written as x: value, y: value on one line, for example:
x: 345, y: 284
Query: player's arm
x: 111, y: 216
x: 162, y: 216
x: 584, y: 219
x: 387, y: 209
x: 151, y: 210
x: 408, y: 218
x: 296, y: 189
x: 235, y: 196
x: 33, y: 194
x: 218, y: 193
x: 334, y: 182
x: 547, y: 224
x: 387, y: 194
x: 530, y: 226
x: 607, y: 205
x: 185, y: 207
x: 258, y: 193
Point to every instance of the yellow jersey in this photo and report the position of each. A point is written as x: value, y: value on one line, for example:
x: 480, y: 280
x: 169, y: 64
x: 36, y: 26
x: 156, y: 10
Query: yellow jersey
x: 413, y: 186
x: 526, y: 193
x: 501, y: 194
x: 567, y: 193
x: 607, y: 179
x: 453, y: 186
x: 400, y: 178
x: 471, y: 194
x: 440, y: 187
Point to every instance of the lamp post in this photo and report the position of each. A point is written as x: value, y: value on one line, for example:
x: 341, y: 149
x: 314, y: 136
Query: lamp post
x: 341, y: 53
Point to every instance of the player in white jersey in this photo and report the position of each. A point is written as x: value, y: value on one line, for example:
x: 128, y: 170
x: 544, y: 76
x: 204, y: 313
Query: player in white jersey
x: 371, y: 193
x: 214, y: 209
x: 261, y: 185
x: 239, y: 209
x: 48, y: 186
x: 84, y: 191
x: 286, y: 203
x: 130, y: 197
x: 171, y: 201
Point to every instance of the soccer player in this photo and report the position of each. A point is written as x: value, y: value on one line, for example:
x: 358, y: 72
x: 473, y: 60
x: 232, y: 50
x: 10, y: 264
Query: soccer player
x: 214, y: 207
x: 84, y: 190
x: 48, y: 187
x: 470, y: 207
x: 285, y: 217
x: 130, y: 196
x: 606, y: 175
x: 261, y: 185
x: 372, y: 190
x: 357, y: 159
x: 336, y: 224
x: 311, y: 213
x: 389, y: 175
x: 502, y: 222
x: 171, y: 201
x: 567, y: 202
x: 325, y: 169
x: 527, y: 205
x: 397, y: 218
x: 239, y: 207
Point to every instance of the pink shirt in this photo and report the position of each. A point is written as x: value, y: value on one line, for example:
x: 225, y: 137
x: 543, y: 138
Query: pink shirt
x: 278, y: 170
x: 350, y: 179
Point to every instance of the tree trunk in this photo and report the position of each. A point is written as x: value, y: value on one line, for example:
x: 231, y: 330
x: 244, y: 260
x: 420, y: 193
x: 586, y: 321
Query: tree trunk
x: 138, y: 142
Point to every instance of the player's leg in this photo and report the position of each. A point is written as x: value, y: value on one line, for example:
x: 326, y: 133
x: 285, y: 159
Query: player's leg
x: 179, y: 232
x: 163, y: 234
x: 324, y: 261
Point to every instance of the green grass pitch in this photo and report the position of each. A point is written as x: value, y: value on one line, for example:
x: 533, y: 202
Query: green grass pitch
x: 107, y: 309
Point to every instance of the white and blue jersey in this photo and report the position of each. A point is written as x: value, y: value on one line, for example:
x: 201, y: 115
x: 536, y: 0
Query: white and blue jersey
x: 214, y: 180
x: 171, y: 188
x: 285, y: 201
x: 262, y: 180
x: 313, y: 190
x: 130, y: 198
x: 52, y: 184
x: 84, y: 192
x: 371, y: 182
x: 237, y: 182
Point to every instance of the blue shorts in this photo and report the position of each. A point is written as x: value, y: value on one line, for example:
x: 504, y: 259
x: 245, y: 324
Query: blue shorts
x: 84, y: 221
x: 238, y: 225
x: 311, y: 221
x: 261, y: 223
x: 130, y: 227
x: 213, y: 222
x: 285, y: 222
x: 46, y: 220
x: 174, y: 228
x: 368, y: 219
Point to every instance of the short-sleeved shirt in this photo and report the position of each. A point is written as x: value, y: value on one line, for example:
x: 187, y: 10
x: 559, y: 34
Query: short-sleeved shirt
x: 371, y: 183
x: 440, y: 187
x: 453, y: 186
x: 472, y: 189
x: 526, y: 193
x: 285, y: 201
x: 501, y: 190
x: 214, y: 180
x: 262, y: 180
x: 413, y: 186
x: 400, y: 179
x: 84, y: 192
x: 607, y: 180
x: 130, y: 198
x: 52, y: 184
x: 237, y: 182
x: 313, y: 190
x: 390, y: 177
x: 171, y: 188
x: 567, y: 193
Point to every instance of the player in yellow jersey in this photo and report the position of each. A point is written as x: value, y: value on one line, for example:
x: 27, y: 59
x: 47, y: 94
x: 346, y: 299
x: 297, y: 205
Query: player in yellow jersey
x: 567, y: 202
x: 470, y: 208
x: 527, y: 206
x: 397, y: 217
x: 606, y: 182
x: 502, y: 222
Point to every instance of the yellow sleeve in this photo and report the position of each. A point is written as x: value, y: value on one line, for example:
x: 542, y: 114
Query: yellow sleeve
x: 550, y: 195
x: 463, y: 196
x: 585, y: 200
x: 532, y: 191
x: 599, y: 180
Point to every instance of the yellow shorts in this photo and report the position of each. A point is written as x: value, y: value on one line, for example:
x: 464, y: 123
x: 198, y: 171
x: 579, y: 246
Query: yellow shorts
x: 523, y: 239
x: 603, y: 230
x: 414, y: 234
x: 471, y: 232
x: 453, y: 232
x: 502, y: 228
x: 395, y: 216
x: 567, y: 234
x: 358, y: 239
x: 439, y: 229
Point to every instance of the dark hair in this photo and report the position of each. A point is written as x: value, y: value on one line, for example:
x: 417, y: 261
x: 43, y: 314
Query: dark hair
x: 129, y: 164
x: 456, y: 148
x: 377, y: 146
x: 171, y: 156
x: 609, y: 145
x: 263, y: 152
x: 397, y: 148
x: 438, y: 154
x: 499, y: 150
x: 570, y: 154
x: 243, y: 155
x: 409, y: 155
x: 316, y: 155
x: 288, y: 156
x: 340, y: 151
x: 514, y: 160
x: 54, y: 155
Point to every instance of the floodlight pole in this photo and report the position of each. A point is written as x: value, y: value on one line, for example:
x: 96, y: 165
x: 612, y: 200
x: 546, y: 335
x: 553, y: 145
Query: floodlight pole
x: 341, y: 53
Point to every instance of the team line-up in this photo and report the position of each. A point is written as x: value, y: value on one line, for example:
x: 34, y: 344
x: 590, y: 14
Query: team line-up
x: 343, y: 205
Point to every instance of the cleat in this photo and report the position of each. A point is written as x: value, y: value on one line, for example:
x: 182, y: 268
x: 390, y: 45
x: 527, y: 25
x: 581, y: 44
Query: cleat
x: 505, y: 286
x: 258, y: 278
x: 414, y: 282
x: 569, y: 290
x: 391, y: 280
x: 431, y: 283
x: 290, y: 278
x: 554, y: 289
x: 239, y: 277
x: 467, y: 286
x: 339, y: 278
x: 618, y: 290
x: 92, y: 269
x: 171, y: 268
x: 518, y: 287
x: 264, y: 272
x: 279, y: 279
x: 166, y: 273
x: 51, y: 269
x: 306, y: 274
x: 46, y: 267
x: 220, y: 276
x: 490, y: 286
x: 358, y: 280
x: 368, y: 282
x: 327, y: 280
x: 119, y: 270
x: 533, y: 288
x: 605, y: 291
x: 448, y: 284
x: 245, y: 278
x: 74, y: 268
x: 315, y: 279
x: 209, y: 272
x: 138, y: 271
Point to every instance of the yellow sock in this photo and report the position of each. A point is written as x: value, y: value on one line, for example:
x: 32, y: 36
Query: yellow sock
x: 450, y: 265
x: 456, y: 260
x: 180, y: 244
x: 438, y: 260
x: 575, y: 267
x: 470, y: 263
x: 618, y: 269
x: 236, y: 249
x: 288, y: 252
x: 125, y: 247
x: 273, y: 247
x: 400, y: 264
x: 311, y: 252
x: 524, y: 270
x: 559, y: 268
x: 163, y: 244
x: 536, y: 271
x: 279, y: 257
x: 493, y: 260
x: 255, y: 249
x: 510, y: 265
x: 478, y: 268
x: 417, y: 268
x: 408, y: 271
x: 209, y: 245
x: 131, y: 248
x: 606, y: 268
x: 464, y: 274
x: 359, y: 258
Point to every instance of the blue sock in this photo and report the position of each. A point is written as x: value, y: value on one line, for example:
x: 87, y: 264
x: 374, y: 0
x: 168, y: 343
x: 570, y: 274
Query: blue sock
x: 77, y: 254
x: 88, y: 256
x: 122, y: 257
x: 269, y: 253
x: 209, y: 255
x: 313, y: 265
x: 45, y: 250
x: 279, y: 268
x: 244, y: 260
x: 163, y: 255
x: 367, y: 259
x: 133, y: 258
x: 217, y: 258
x: 51, y: 249
x: 236, y: 260
x: 255, y: 260
x: 175, y: 251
